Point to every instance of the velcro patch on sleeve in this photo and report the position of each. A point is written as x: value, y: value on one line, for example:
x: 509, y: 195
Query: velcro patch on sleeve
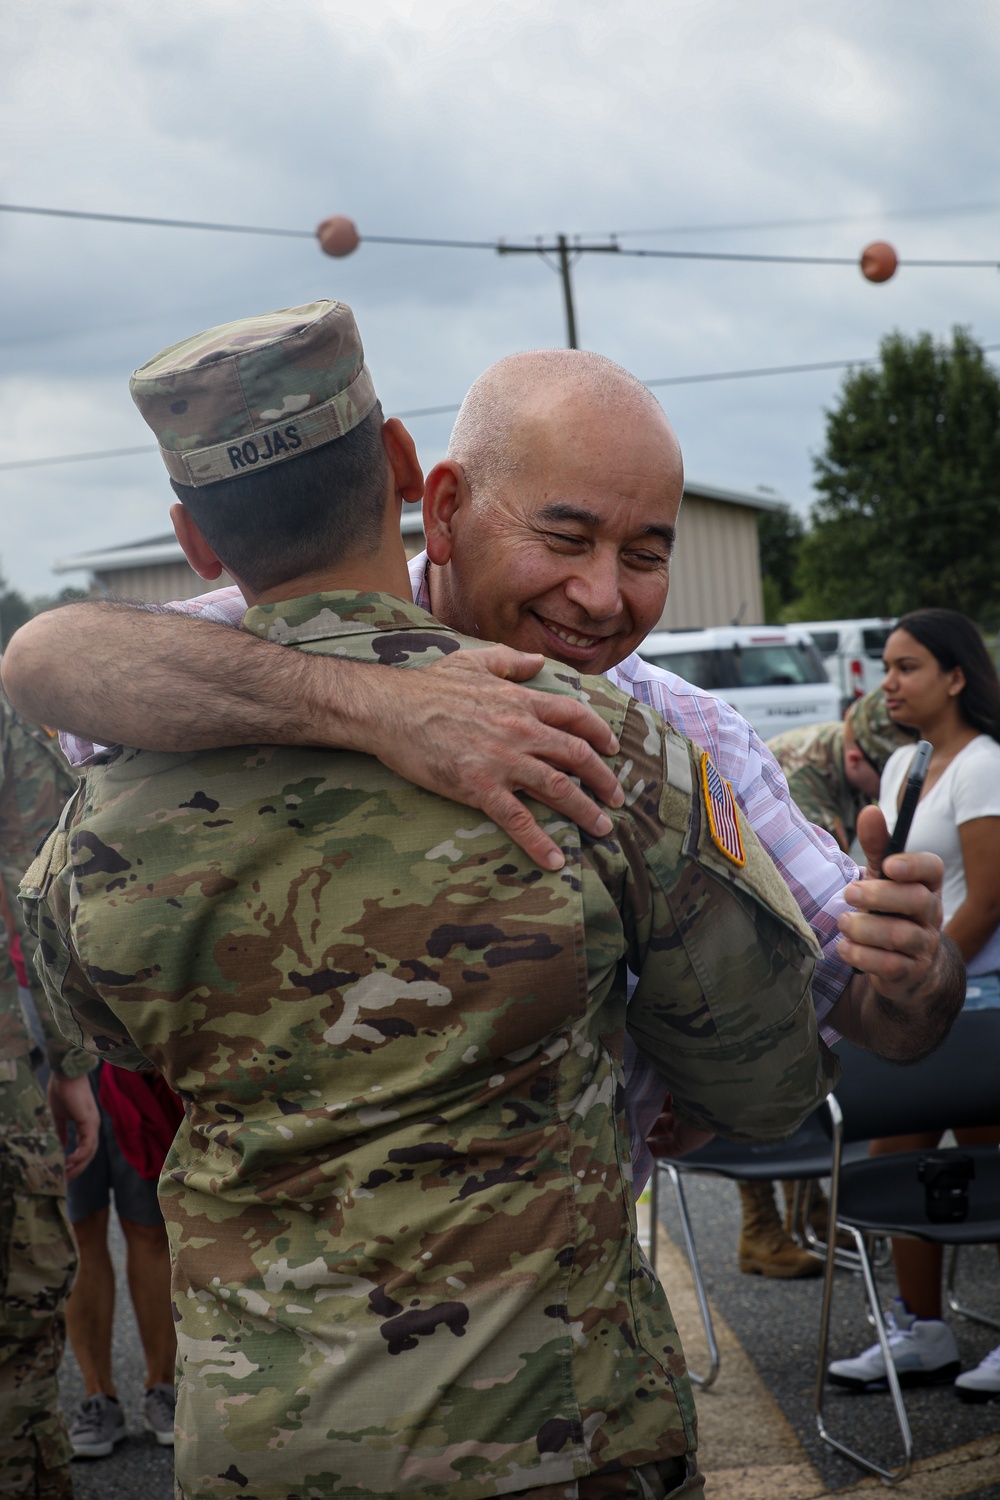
x: 723, y: 818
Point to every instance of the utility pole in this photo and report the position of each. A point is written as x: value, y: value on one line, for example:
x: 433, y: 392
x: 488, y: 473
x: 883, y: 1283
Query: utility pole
x: 567, y: 291
x: 566, y: 257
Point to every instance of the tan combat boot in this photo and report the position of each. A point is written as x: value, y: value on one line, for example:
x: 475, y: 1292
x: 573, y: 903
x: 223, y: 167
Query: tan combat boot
x: 765, y: 1249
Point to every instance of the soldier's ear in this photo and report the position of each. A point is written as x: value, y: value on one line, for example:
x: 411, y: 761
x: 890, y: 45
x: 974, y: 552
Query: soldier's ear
x: 445, y: 492
x: 401, y: 452
x: 197, y: 551
x: 860, y: 772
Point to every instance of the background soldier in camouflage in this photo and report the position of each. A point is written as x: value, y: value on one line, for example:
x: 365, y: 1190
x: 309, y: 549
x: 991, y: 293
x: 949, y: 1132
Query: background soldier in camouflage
x: 833, y: 771
x: 400, y: 1204
x: 37, y: 1252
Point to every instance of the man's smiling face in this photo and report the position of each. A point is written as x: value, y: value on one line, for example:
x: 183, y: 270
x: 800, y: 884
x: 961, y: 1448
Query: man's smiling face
x: 568, y: 553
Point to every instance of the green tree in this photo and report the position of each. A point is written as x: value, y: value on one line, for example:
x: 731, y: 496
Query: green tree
x: 14, y: 610
x: 909, y: 486
x: 779, y: 535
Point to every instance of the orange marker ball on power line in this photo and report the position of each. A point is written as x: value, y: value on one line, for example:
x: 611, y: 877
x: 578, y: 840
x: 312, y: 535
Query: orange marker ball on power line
x: 878, y: 261
x: 338, y: 235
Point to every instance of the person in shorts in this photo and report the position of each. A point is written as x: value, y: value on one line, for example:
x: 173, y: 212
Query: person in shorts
x: 99, y: 1422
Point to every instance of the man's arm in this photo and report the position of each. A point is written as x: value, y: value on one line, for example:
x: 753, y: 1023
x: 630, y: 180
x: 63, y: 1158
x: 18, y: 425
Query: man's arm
x: 912, y: 981
x: 907, y: 997
x: 808, y: 860
x: 722, y: 1005
x: 463, y: 727
x: 808, y: 789
x: 905, y: 1001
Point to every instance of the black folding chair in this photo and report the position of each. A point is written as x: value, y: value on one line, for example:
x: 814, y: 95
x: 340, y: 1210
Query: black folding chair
x: 883, y: 1195
x: 805, y: 1157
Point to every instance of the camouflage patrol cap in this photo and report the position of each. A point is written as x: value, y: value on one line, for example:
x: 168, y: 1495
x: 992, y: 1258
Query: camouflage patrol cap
x: 876, y: 734
x: 247, y: 394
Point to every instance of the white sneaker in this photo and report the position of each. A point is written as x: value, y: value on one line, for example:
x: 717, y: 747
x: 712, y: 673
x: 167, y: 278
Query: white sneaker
x: 983, y: 1382
x: 923, y: 1350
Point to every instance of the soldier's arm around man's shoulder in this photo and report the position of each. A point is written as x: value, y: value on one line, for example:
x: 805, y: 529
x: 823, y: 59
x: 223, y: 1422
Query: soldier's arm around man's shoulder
x: 723, y: 1006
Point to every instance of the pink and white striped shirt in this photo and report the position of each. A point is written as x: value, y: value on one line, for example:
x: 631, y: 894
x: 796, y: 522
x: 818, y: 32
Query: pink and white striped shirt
x: 809, y: 860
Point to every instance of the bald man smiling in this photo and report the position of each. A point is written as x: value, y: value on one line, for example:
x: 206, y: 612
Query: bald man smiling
x: 551, y: 523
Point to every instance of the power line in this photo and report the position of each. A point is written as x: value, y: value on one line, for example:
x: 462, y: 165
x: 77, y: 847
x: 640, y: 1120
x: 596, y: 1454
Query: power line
x: 300, y: 234
x: 440, y: 411
x: 799, y: 260
x: 73, y: 213
x: 829, y: 364
x: 826, y: 364
x: 802, y: 260
x: 573, y: 244
x: 939, y: 212
x: 77, y: 458
x: 428, y: 411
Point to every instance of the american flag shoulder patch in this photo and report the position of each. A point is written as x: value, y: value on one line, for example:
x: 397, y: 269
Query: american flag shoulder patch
x: 723, y: 819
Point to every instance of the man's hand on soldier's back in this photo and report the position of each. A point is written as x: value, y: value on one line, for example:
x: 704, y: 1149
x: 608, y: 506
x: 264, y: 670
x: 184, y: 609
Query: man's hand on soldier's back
x: 466, y: 738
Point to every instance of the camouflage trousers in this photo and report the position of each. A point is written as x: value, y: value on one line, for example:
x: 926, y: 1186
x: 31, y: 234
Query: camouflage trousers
x: 673, y: 1479
x: 37, y: 1264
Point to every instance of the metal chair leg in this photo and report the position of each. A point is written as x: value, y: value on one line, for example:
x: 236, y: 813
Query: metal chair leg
x: 810, y: 1240
x: 953, y: 1302
x: 800, y: 1204
x: 714, y: 1358
x: 889, y: 1476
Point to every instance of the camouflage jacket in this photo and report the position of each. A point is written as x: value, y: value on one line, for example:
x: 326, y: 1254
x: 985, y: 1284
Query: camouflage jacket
x: 399, y: 1205
x: 812, y: 759
x: 35, y: 782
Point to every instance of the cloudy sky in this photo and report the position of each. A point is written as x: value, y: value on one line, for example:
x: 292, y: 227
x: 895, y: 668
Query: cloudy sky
x: 791, y: 127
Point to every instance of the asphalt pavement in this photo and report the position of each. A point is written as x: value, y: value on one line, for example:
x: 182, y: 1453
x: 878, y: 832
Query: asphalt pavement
x: 139, y: 1469
x: 774, y: 1327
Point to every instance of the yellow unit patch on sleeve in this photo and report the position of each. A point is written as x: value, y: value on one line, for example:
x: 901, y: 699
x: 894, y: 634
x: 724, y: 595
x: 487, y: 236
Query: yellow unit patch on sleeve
x: 723, y: 817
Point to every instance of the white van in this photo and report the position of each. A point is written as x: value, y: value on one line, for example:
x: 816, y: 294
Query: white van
x: 772, y: 675
x: 852, y: 652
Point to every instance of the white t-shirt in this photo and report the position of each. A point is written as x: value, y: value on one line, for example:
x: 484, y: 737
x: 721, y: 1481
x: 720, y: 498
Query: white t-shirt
x: 968, y: 789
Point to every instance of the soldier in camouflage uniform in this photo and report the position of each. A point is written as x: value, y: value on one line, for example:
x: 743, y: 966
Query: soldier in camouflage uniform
x: 833, y: 771
x: 400, y: 1206
x: 37, y: 1251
